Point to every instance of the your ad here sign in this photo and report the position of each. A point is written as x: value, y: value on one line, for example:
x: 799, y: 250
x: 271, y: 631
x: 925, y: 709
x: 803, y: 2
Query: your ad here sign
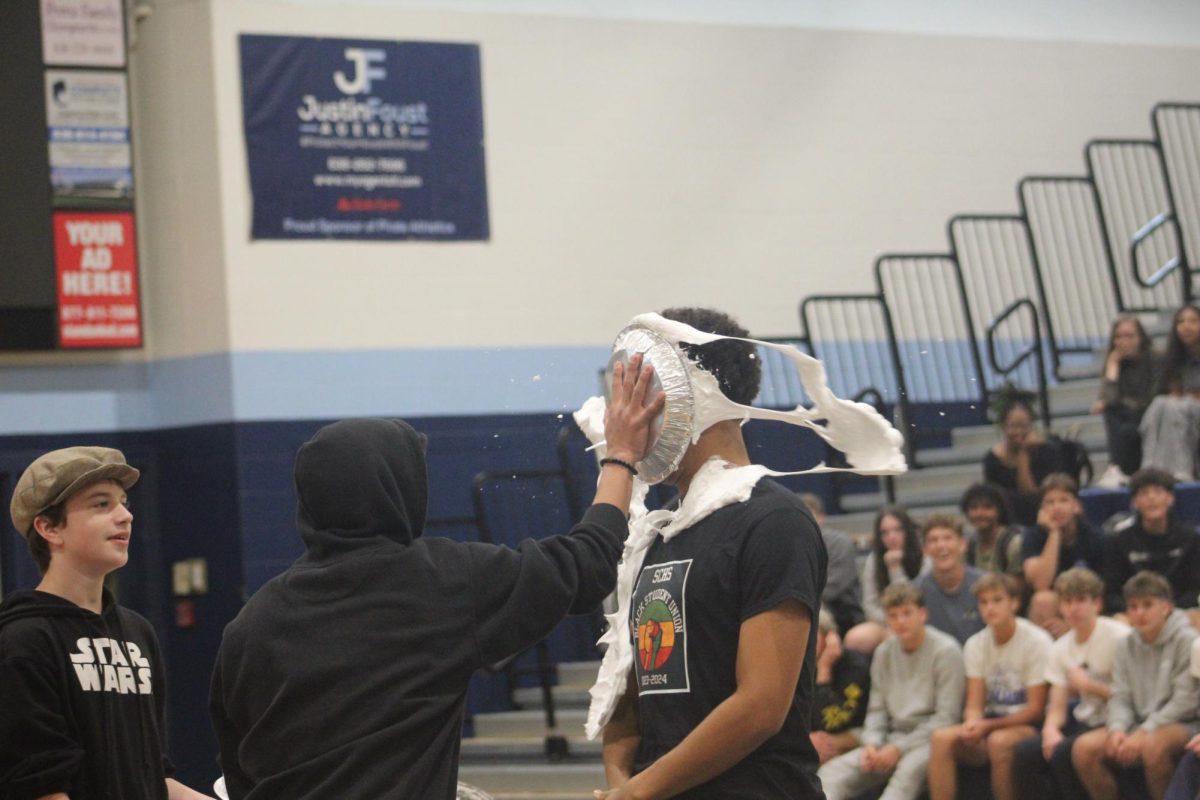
x: 96, y: 259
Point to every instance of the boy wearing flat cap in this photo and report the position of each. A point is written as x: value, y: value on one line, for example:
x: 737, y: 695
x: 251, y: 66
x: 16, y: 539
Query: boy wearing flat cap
x: 81, y: 681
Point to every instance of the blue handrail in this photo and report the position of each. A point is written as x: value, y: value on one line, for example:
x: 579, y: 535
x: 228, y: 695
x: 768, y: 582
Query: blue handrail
x: 1166, y: 269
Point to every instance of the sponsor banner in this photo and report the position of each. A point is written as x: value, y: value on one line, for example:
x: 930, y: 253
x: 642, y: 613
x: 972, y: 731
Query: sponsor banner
x: 358, y: 139
x: 83, y: 33
x: 87, y: 117
x: 96, y: 258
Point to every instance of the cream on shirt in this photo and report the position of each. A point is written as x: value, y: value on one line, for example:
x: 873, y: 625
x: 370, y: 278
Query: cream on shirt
x: 1096, y: 656
x: 1009, y: 669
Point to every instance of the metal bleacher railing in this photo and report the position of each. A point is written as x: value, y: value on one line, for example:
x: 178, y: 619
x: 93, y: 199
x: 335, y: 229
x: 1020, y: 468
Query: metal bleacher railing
x: 1131, y: 185
x: 517, y: 504
x: 997, y: 268
x: 1030, y: 297
x: 930, y: 327
x: 1177, y: 131
x: 1080, y: 295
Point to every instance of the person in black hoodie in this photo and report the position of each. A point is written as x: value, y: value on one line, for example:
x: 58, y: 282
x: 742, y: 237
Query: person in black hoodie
x: 81, y: 678
x: 370, y: 637
x: 1154, y: 539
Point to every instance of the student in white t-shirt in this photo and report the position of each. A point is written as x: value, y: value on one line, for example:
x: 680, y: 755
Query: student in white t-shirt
x: 1185, y: 785
x: 1006, y: 693
x: 1080, y: 678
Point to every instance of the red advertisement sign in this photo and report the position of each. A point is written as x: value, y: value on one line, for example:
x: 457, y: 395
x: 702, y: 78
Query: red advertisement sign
x: 96, y: 257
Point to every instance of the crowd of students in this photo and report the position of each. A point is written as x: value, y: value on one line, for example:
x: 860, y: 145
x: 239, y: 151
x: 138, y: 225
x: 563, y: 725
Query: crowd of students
x: 1063, y: 659
x: 981, y: 646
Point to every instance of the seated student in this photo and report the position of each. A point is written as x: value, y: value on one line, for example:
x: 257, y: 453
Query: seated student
x: 1020, y: 461
x: 993, y: 543
x: 948, y: 584
x: 916, y: 688
x: 1153, y: 697
x: 843, y: 592
x: 1080, y: 677
x: 1006, y: 693
x: 1153, y: 539
x: 895, y: 557
x: 1186, y: 783
x: 843, y: 686
x: 1170, y: 426
x: 1127, y: 386
x: 1061, y: 540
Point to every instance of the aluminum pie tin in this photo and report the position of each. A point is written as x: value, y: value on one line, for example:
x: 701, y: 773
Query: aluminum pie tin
x: 672, y: 429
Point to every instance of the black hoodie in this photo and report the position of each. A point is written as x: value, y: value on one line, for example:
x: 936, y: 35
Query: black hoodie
x: 1174, y: 554
x: 346, y: 675
x: 81, y: 701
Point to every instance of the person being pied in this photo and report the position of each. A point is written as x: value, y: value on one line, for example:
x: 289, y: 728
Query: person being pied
x: 707, y: 683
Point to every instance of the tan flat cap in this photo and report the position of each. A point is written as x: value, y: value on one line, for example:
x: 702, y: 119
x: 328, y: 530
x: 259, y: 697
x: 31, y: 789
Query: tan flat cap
x: 58, y: 474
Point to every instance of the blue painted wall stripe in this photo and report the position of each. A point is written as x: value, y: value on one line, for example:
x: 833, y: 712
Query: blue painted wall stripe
x: 256, y: 386
x: 260, y: 386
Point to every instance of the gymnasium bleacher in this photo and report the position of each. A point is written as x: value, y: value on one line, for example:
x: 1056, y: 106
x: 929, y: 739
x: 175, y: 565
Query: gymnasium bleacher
x: 1024, y: 297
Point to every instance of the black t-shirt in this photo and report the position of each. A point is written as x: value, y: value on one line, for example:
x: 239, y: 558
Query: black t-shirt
x: 841, y: 704
x: 689, y: 602
x: 1086, y: 551
x: 1044, y: 461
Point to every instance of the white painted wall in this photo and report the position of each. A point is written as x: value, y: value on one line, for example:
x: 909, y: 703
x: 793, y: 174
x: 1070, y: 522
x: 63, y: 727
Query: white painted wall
x: 634, y: 164
x: 640, y: 153
x: 1157, y: 22
x: 178, y: 181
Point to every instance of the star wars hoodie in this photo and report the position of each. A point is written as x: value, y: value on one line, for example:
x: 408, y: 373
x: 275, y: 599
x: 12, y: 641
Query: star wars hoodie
x: 345, y: 677
x: 1152, y: 685
x: 81, y: 701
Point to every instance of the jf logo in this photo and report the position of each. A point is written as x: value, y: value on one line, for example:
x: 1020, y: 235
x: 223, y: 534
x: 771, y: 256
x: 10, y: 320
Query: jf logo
x: 364, y: 71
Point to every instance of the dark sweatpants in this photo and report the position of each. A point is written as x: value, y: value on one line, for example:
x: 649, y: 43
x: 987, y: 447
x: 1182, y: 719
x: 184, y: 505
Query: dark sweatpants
x: 1186, y: 783
x: 1124, y: 439
x: 1033, y: 776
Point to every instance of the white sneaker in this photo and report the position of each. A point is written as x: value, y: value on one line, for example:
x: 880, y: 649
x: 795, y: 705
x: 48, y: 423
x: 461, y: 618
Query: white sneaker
x: 1112, y: 478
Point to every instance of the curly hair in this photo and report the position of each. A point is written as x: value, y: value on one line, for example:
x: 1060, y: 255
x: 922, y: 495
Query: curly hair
x: 735, y: 365
x: 1151, y: 476
x: 986, y: 494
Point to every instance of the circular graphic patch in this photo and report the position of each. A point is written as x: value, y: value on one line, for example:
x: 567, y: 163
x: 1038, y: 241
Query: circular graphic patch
x: 656, y: 635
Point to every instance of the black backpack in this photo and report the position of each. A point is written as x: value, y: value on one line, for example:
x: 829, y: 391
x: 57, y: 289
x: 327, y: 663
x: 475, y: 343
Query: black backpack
x: 1073, y: 458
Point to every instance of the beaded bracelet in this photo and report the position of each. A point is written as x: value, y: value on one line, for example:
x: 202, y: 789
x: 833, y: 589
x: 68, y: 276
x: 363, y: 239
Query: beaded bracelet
x: 632, y: 469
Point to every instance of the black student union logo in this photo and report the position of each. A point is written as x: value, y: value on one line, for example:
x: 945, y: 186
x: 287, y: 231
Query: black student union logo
x: 660, y: 629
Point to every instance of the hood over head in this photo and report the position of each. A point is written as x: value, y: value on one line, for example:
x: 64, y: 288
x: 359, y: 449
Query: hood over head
x: 358, y: 481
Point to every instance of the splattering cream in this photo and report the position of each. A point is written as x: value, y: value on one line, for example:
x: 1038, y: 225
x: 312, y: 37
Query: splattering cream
x: 871, y: 445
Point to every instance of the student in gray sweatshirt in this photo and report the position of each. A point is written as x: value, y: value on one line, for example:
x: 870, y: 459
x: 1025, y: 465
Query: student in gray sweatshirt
x: 1152, y: 710
x: 917, y: 681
